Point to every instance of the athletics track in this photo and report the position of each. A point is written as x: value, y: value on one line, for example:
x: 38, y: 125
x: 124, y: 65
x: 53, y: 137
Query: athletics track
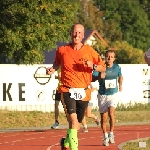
x: 47, y: 139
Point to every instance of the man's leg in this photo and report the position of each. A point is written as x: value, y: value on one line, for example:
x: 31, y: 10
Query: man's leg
x: 104, y: 117
x: 57, y: 100
x: 56, y: 110
x: 69, y: 105
x: 103, y: 109
x: 88, y: 112
x: 84, y: 124
x: 111, y: 114
x: 76, y: 118
x: 90, y: 115
x: 112, y: 104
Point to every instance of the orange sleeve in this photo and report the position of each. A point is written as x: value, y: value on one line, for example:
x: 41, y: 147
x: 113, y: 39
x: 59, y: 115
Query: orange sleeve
x: 97, y: 58
x: 58, y: 57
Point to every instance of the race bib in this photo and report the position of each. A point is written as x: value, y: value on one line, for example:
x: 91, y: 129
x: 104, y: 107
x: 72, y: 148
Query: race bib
x: 110, y: 83
x: 77, y: 93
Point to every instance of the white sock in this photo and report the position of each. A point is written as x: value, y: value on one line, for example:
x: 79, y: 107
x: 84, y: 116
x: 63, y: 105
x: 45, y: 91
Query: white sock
x: 96, y: 117
x: 111, y: 133
x: 85, y: 126
x: 105, y: 134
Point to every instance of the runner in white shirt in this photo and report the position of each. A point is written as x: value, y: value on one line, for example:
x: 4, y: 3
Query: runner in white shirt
x: 94, y: 86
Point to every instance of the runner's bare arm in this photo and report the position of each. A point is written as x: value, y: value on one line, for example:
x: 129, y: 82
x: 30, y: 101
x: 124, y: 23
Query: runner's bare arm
x: 52, y: 69
x: 100, y: 68
x: 55, y: 66
x: 120, y: 80
x: 98, y: 64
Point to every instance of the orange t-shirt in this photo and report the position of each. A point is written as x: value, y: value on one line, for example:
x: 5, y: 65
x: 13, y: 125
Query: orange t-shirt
x: 74, y: 72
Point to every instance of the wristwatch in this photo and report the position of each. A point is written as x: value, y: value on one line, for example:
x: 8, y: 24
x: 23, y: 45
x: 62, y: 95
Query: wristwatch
x: 94, y: 66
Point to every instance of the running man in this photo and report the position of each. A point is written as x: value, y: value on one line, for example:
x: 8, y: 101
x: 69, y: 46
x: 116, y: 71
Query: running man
x: 77, y: 61
x: 110, y: 82
x: 94, y: 92
x: 57, y: 100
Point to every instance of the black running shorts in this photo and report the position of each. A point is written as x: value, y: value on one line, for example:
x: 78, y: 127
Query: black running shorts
x: 57, y: 96
x: 73, y: 106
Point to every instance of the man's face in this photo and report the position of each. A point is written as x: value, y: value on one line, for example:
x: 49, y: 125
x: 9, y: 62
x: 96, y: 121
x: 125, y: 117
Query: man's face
x: 77, y: 34
x: 147, y: 60
x: 110, y: 57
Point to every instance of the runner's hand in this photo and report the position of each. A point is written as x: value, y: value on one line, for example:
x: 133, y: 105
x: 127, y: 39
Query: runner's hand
x: 59, y: 75
x: 103, y: 74
x: 89, y: 64
x: 50, y: 70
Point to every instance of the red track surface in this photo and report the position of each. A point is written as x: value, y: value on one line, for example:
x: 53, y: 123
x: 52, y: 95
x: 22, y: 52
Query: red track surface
x: 49, y: 139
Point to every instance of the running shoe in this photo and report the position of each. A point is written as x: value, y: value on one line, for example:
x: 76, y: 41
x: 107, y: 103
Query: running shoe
x: 62, y: 144
x: 97, y: 121
x: 85, y: 130
x: 55, y: 125
x: 106, y: 141
x: 111, y: 138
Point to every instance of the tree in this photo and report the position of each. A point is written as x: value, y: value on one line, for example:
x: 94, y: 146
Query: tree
x: 126, y: 54
x: 29, y: 27
x: 83, y: 15
x: 134, y: 24
x: 111, y: 19
x: 145, y: 4
x: 89, y: 15
x: 125, y: 20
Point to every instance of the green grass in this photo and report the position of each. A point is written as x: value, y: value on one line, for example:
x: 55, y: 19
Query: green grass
x: 135, y: 145
x: 133, y: 107
x: 133, y: 116
x: 15, y: 119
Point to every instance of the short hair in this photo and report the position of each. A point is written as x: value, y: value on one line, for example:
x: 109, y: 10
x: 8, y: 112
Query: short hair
x: 110, y: 51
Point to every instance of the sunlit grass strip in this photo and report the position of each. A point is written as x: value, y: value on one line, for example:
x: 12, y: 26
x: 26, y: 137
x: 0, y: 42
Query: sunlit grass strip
x: 135, y: 145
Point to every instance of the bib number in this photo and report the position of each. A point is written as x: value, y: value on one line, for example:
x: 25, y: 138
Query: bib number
x: 77, y: 93
x: 110, y: 83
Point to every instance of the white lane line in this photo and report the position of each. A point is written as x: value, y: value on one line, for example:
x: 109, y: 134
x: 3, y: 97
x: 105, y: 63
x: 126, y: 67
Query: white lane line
x: 16, y: 141
x: 29, y: 139
x: 42, y: 137
x: 21, y: 134
x: 49, y: 148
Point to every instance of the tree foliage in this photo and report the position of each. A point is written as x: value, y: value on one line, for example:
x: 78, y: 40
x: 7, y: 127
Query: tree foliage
x: 126, y: 54
x: 146, y: 6
x: 89, y: 16
x: 29, y: 27
x: 136, y: 26
x: 126, y: 21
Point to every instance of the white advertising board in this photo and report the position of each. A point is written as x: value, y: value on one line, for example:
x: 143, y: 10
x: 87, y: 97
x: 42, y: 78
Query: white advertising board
x: 136, y: 83
x: 22, y: 85
x: 29, y: 88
